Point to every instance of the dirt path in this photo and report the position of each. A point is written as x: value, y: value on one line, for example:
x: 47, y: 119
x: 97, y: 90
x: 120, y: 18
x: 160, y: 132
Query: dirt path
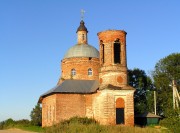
x: 15, y: 131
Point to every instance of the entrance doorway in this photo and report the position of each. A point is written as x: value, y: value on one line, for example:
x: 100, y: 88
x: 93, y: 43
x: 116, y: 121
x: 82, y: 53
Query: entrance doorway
x: 120, y: 111
x: 119, y: 115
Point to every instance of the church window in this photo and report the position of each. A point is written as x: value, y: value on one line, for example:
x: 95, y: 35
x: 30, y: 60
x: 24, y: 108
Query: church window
x: 90, y: 72
x: 117, y: 52
x: 73, y: 72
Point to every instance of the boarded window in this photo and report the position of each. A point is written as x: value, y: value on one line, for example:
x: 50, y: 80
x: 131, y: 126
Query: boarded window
x: 117, y: 52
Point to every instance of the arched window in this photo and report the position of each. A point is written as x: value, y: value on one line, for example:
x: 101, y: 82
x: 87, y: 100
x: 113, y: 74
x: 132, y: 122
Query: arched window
x: 90, y: 72
x: 73, y: 72
x: 117, y: 50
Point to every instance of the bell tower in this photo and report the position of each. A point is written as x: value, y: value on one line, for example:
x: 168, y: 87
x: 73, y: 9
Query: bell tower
x: 113, y: 64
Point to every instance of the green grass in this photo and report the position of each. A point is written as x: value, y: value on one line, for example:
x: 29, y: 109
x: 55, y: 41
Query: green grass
x: 85, y: 125
x: 80, y: 125
x: 31, y: 128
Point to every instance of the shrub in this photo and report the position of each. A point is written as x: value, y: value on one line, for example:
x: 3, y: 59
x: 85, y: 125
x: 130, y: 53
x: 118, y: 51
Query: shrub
x: 80, y: 120
x: 172, y: 121
x: 23, y: 122
x: 86, y: 125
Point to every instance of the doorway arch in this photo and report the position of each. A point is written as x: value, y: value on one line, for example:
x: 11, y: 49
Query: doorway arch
x: 120, y: 111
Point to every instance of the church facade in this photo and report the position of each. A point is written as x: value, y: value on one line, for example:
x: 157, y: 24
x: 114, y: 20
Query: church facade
x: 93, y: 83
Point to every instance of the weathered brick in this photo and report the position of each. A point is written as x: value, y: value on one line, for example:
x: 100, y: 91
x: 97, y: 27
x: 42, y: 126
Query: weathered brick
x: 101, y: 105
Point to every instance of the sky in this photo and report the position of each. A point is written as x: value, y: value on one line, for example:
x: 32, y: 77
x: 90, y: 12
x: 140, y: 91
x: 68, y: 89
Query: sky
x: 35, y: 35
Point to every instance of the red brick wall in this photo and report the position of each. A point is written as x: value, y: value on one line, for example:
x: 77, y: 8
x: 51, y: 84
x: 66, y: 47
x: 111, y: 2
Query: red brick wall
x: 49, y: 110
x: 58, y: 107
x: 111, y: 73
x: 107, y: 38
x: 70, y: 105
x: 81, y: 65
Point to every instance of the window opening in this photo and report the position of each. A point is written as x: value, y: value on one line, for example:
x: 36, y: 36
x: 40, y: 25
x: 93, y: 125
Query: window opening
x: 73, y: 72
x: 102, y: 53
x: 90, y: 72
x: 117, y: 52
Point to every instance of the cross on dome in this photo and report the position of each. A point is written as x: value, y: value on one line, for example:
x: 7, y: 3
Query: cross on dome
x: 82, y: 14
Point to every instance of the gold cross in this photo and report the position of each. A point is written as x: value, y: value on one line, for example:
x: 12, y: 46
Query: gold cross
x: 82, y: 14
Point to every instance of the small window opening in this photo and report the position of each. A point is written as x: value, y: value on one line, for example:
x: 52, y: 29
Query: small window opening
x: 73, y: 72
x: 83, y: 37
x: 90, y: 72
x: 102, y: 53
x: 117, y: 51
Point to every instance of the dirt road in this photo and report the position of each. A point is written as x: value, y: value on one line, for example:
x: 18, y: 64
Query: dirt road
x: 15, y: 131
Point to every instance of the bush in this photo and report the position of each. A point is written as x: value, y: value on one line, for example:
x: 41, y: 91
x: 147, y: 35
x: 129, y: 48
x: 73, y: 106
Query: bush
x: 80, y: 120
x: 171, y: 124
x: 86, y: 125
x: 7, y: 123
x: 23, y: 122
x: 172, y: 121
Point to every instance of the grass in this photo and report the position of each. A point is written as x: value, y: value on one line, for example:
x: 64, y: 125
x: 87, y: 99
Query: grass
x: 80, y: 125
x: 85, y: 125
x: 31, y: 128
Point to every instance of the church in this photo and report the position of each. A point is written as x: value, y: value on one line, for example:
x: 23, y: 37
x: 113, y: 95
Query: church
x: 93, y: 83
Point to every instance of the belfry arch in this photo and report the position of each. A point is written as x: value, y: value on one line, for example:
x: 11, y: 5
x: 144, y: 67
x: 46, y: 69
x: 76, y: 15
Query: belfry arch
x: 117, y: 50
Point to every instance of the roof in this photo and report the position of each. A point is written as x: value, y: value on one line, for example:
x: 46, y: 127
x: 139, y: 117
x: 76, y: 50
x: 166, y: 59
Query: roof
x: 147, y: 114
x: 82, y: 27
x: 82, y: 50
x: 74, y: 86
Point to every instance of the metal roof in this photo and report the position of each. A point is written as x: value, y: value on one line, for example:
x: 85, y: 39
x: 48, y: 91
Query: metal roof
x: 82, y: 50
x: 74, y: 86
x: 82, y: 27
x: 147, y: 114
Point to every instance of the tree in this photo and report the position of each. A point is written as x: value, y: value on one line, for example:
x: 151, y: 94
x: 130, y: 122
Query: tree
x: 36, y: 115
x: 166, y: 70
x: 143, y: 97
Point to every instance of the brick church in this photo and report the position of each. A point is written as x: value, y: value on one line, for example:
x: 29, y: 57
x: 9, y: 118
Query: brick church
x: 93, y: 83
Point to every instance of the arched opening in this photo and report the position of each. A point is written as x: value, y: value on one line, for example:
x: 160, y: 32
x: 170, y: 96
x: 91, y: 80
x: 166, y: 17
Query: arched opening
x: 120, y: 111
x: 102, y: 53
x: 117, y: 50
x: 73, y: 72
x: 90, y: 72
